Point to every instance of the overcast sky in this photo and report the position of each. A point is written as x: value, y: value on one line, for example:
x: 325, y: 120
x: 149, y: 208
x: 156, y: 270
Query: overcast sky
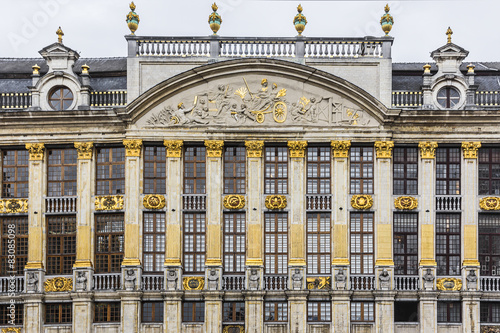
x: 96, y: 28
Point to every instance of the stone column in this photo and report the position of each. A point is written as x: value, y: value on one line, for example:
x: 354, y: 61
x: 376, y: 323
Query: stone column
x: 341, y: 310
x: 82, y: 312
x: 33, y: 313
x: 213, y: 311
x: 130, y: 307
x: 428, y: 311
x: 297, y: 303
x: 384, y: 310
x: 172, y: 315
x: 471, y: 312
x: 254, y: 311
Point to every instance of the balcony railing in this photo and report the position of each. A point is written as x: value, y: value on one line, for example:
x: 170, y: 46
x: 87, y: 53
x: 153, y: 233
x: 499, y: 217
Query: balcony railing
x: 194, y: 201
x: 152, y: 282
x: 343, y: 48
x: 108, y: 98
x: 9, y: 285
x: 488, y: 98
x: 276, y: 282
x: 15, y: 100
x: 233, y: 282
x: 406, y: 282
x: 252, y: 48
x: 319, y: 202
x: 448, y: 202
x: 406, y: 98
x: 362, y: 282
x: 107, y: 281
x: 60, y: 205
x: 490, y: 283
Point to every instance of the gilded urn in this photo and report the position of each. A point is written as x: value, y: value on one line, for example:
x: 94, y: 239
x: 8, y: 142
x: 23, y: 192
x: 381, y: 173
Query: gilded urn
x: 214, y: 19
x: 387, y: 21
x: 300, y: 21
x: 132, y: 19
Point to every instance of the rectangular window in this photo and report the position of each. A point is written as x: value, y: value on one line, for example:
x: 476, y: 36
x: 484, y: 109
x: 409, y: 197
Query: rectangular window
x: 154, y: 242
x: 194, y: 243
x: 109, y: 242
x: 362, y: 311
x: 319, y: 311
x: 61, y: 244
x: 318, y: 243
x: 194, y: 170
x: 234, y: 243
x: 234, y: 170
x: 107, y: 312
x: 58, y: 313
x: 152, y: 312
x: 110, y: 171
x: 406, y: 243
x: 318, y: 170
x: 490, y: 312
x: 276, y: 170
x: 154, y: 170
x: 233, y: 312
x: 361, y: 243
x: 15, y: 174
x: 489, y: 244
x: 5, y: 314
x: 193, y: 312
x: 449, y: 312
x: 18, y: 226
x: 448, y: 171
x: 406, y: 312
x: 276, y: 311
x: 405, y: 171
x: 448, y: 248
x: 276, y: 243
x: 489, y: 171
x: 361, y: 170
x: 61, y: 178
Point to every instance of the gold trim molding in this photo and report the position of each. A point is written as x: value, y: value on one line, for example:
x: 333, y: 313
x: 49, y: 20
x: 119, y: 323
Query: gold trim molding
x: 228, y: 327
x: 109, y: 202
x: 321, y: 282
x: 84, y: 150
x: 406, y: 203
x: 254, y: 262
x: 83, y: 263
x: 34, y: 265
x: 427, y: 149
x: 276, y: 202
x: 11, y: 329
x: 214, y: 148
x: 340, y: 262
x: 362, y: 201
x: 172, y: 262
x: 471, y: 263
x: 131, y: 262
x: 470, y: 149
x: 132, y: 148
x: 193, y: 282
x: 58, y: 284
x: 490, y: 203
x: 449, y: 284
x: 234, y: 201
x: 173, y: 147
x: 428, y: 262
x: 384, y: 149
x: 341, y: 148
x: 13, y: 206
x: 36, y: 151
x: 254, y: 148
x: 297, y: 148
x: 154, y: 201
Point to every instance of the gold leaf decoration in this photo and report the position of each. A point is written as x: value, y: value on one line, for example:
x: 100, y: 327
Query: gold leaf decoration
x: 405, y: 203
x: 449, y: 284
x: 362, y: 201
x: 214, y: 148
x: 470, y: 149
x: 384, y: 148
x: 36, y: 151
x: 297, y: 148
x: 275, y: 202
x: 58, y: 284
x: 154, y: 201
x: 341, y: 148
x: 174, y: 147
x: 109, y: 202
x: 193, y: 283
x: 11, y: 329
x: 13, y: 206
x: 322, y: 282
x: 234, y: 201
x: 490, y: 203
x: 132, y: 148
x: 427, y: 149
x: 84, y: 150
x: 254, y: 148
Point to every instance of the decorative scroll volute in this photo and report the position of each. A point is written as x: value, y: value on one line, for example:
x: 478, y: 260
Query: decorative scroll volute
x: 341, y: 148
x: 470, y: 149
x: 254, y: 148
x: 297, y: 148
x: 384, y: 149
x: 234, y: 201
x: 427, y: 149
x: 109, y: 202
x: 174, y: 147
x: 193, y: 282
x: 449, y: 284
x: 214, y: 148
x: 132, y: 148
x: 276, y: 202
x: 490, y: 203
x: 362, y: 201
x: 58, y: 284
x: 36, y: 151
x: 154, y: 201
x: 84, y: 150
x: 405, y: 203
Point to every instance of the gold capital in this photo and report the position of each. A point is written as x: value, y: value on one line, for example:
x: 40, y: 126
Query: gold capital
x: 254, y: 148
x: 470, y: 149
x: 36, y: 151
x: 84, y: 150
x: 132, y: 148
x: 214, y: 148
x: 297, y: 148
x: 341, y: 148
x: 384, y: 148
x: 427, y: 149
x: 173, y: 147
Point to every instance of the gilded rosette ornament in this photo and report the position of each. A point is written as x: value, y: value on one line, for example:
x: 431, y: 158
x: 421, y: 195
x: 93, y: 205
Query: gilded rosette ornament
x: 234, y: 201
x: 13, y: 206
x: 470, y: 149
x: 449, y: 284
x: 322, y: 282
x: 384, y: 149
x: 361, y: 201
x: 405, y: 203
x: 297, y: 148
x: 300, y: 21
x: 490, y: 203
x: 254, y: 148
x: 341, y: 148
x: 58, y: 284
x: 427, y: 149
x: 109, y: 202
x: 214, y: 20
x: 387, y: 20
x: 276, y: 202
x: 132, y: 148
x: 173, y: 147
x: 84, y: 150
x: 193, y: 283
x: 214, y: 148
x: 132, y: 19
x: 36, y: 151
x: 11, y: 329
x: 154, y: 201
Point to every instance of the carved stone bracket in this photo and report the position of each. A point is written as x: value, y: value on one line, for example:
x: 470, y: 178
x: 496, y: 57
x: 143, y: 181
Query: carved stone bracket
x: 254, y: 148
x: 297, y: 148
x: 132, y: 148
x: 173, y: 147
x: 84, y: 150
x: 275, y: 202
x: 427, y: 149
x: 193, y: 282
x: 36, y: 151
x: 154, y: 201
x: 449, y: 284
x: 470, y: 149
x: 341, y: 148
x: 362, y: 201
x: 234, y: 201
x: 384, y: 149
x: 490, y: 203
x: 405, y: 203
x: 13, y: 206
x: 58, y: 284
x: 214, y: 148
x: 109, y: 202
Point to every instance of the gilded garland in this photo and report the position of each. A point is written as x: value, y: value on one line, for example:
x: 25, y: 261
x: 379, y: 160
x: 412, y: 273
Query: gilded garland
x: 361, y: 201
x: 58, y: 284
x: 490, y: 203
x: 109, y: 202
x: 234, y: 201
x: 449, y: 284
x: 405, y: 203
x: 13, y: 206
x: 154, y: 201
x: 276, y: 202
x: 193, y: 283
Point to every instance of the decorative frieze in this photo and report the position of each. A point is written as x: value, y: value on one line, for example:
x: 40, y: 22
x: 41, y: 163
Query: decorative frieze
x: 234, y: 201
x: 11, y: 329
x: 322, y: 282
x: 173, y: 147
x: 13, y: 206
x: 132, y: 148
x: 154, y: 201
x: 193, y: 282
x: 427, y: 149
x: 341, y: 148
x: 490, y: 203
x: 449, y: 284
x: 36, y: 151
x: 361, y: 201
x: 214, y: 148
x: 297, y: 148
x: 84, y: 150
x: 384, y: 149
x: 109, y: 202
x: 254, y: 148
x: 58, y: 284
x: 405, y: 203
x: 276, y: 202
x: 470, y: 149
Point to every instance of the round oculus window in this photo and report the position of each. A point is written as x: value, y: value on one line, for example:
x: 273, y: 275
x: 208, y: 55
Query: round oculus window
x: 60, y: 98
x: 448, y: 97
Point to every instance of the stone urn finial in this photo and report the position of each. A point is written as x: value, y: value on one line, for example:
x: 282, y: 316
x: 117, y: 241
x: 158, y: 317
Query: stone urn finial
x: 60, y: 35
x: 387, y: 20
x: 300, y: 21
x: 132, y: 19
x: 214, y: 20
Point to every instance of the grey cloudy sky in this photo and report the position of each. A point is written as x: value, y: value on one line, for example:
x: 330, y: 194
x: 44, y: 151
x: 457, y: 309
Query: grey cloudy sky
x: 96, y: 28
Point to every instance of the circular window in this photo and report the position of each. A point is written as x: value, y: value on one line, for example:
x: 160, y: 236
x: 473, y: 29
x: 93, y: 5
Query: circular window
x: 60, y: 98
x: 448, y: 97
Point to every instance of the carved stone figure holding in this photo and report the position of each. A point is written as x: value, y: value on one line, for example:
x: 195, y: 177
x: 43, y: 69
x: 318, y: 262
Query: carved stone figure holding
x: 32, y: 283
x: 340, y: 280
x: 428, y: 279
x: 253, y: 280
x: 81, y: 281
x: 385, y: 280
x: 172, y: 279
x: 297, y: 280
x: 242, y: 114
x: 213, y: 279
x: 221, y: 99
x: 472, y: 280
x: 130, y: 279
x: 312, y: 109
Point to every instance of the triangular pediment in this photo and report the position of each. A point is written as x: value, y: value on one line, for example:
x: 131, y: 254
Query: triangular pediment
x: 58, y: 48
x: 450, y: 49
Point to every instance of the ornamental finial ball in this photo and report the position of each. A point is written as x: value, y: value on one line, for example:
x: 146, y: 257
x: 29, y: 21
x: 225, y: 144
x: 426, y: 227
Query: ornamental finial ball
x: 300, y: 20
x: 132, y: 19
x: 214, y: 19
x: 387, y: 21
x: 449, y: 32
x: 60, y: 35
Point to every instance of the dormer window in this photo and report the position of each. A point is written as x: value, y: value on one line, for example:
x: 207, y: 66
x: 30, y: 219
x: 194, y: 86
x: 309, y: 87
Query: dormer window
x: 60, y: 98
x: 448, y: 97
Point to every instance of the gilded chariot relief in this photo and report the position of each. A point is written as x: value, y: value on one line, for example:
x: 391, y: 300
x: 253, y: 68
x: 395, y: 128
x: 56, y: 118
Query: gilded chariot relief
x: 246, y: 104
